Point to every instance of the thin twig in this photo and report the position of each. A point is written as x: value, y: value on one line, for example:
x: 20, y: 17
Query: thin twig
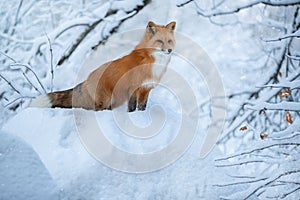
x: 27, y: 67
x: 214, y: 13
x: 31, y: 83
x: 9, y: 83
x: 115, y: 29
x: 227, y: 12
x: 242, y: 182
x: 280, y: 38
x: 51, y: 62
x: 271, y: 181
x: 24, y: 97
x: 292, y: 57
x: 8, y: 56
x: 70, y: 27
x: 285, y: 105
x: 184, y: 3
x: 91, y: 27
x: 78, y: 41
x: 290, y: 192
x: 17, y: 17
x: 259, y: 149
x: 240, y: 163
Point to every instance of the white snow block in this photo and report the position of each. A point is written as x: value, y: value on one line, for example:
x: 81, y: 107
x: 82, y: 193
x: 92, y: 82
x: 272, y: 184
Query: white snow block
x: 23, y: 175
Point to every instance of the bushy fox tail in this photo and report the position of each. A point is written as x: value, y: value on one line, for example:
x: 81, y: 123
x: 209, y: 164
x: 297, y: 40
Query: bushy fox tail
x: 61, y: 99
x: 42, y: 101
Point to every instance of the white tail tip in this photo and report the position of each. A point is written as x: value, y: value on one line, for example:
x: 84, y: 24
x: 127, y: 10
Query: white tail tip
x: 42, y: 101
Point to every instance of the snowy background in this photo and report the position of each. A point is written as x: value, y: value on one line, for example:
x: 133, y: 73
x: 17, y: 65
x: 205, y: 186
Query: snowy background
x: 52, y: 45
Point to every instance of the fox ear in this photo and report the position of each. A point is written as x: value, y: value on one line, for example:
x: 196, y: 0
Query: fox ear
x: 151, y: 27
x: 171, y: 26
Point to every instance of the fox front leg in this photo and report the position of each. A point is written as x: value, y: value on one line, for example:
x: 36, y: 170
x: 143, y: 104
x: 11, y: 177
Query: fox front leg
x: 132, y: 102
x: 143, y: 98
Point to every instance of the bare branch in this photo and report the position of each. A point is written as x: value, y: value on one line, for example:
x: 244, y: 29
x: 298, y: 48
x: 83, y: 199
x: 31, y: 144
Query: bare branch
x: 17, y: 16
x: 114, y: 30
x: 23, y: 97
x: 287, y: 137
x: 8, y: 37
x: 259, y: 149
x: 9, y: 83
x: 28, y: 80
x: 184, y: 3
x: 214, y: 12
x: 284, y: 84
x: 291, y: 106
x: 78, y: 41
x: 240, y: 183
x: 292, y: 35
x: 8, y: 56
x: 290, y: 192
x: 94, y: 25
x: 70, y: 27
x: 296, y: 57
x: 28, y: 68
x: 290, y: 182
x: 240, y: 163
x: 51, y: 62
x: 271, y: 181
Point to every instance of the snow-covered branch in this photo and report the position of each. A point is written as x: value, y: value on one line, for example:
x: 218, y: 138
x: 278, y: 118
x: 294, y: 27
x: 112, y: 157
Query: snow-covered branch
x: 259, y: 148
x: 292, y: 106
x: 260, y: 186
x: 295, y: 34
x: 109, y: 12
x: 264, y: 127
x: 216, y: 12
x: 180, y: 4
x: 293, y: 57
x: 284, y: 84
x: 10, y: 84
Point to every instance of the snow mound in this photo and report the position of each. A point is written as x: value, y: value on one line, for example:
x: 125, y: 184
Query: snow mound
x: 53, y: 135
x: 23, y: 175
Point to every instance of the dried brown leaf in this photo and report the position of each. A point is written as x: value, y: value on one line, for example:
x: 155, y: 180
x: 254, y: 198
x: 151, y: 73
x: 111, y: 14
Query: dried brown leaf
x: 263, y: 135
x: 288, y: 117
x: 263, y: 111
x: 279, y: 74
x: 243, y: 128
x: 285, y: 93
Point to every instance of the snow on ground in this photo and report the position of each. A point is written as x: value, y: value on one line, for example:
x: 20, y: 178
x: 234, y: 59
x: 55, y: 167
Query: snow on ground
x: 79, y: 176
x: 63, y: 161
x: 23, y: 175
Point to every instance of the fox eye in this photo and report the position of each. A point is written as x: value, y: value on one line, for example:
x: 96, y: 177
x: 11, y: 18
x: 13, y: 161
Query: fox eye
x: 170, y: 41
x: 159, y: 41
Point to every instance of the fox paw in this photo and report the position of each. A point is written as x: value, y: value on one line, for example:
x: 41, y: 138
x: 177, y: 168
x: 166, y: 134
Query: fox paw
x: 132, y: 106
x: 142, y: 106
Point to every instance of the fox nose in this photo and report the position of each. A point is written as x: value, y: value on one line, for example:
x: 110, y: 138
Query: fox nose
x: 169, y: 50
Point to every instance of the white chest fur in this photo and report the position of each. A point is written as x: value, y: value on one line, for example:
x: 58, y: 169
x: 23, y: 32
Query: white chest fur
x: 159, y: 67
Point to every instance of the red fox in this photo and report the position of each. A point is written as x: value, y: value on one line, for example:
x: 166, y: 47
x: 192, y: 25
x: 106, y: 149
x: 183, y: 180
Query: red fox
x: 127, y: 79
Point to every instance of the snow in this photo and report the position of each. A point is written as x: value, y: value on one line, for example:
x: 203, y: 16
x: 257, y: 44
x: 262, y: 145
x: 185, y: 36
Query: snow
x: 23, y: 175
x: 53, y: 135
x: 125, y: 5
x: 78, y: 154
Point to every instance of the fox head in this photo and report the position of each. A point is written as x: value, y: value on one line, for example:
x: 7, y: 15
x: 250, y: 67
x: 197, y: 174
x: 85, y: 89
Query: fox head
x: 160, y: 37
